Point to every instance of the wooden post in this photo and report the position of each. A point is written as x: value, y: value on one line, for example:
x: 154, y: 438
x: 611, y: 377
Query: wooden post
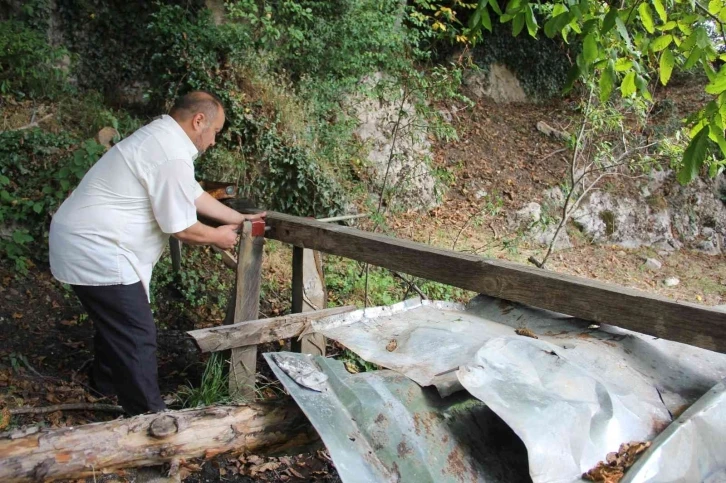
x: 246, y: 306
x: 176, y: 252
x: 308, y: 293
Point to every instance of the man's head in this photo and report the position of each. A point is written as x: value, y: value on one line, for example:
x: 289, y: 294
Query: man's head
x: 201, y: 115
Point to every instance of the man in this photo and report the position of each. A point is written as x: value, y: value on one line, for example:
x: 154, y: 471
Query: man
x: 107, y: 236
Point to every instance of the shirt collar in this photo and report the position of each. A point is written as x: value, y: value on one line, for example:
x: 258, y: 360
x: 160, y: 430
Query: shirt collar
x: 177, y: 129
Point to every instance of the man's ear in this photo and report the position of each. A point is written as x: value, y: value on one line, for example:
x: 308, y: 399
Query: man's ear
x: 199, y: 121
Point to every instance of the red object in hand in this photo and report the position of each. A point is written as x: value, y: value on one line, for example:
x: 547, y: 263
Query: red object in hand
x: 258, y: 227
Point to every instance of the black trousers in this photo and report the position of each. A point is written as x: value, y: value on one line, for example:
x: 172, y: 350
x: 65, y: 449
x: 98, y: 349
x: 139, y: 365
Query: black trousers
x: 125, y: 345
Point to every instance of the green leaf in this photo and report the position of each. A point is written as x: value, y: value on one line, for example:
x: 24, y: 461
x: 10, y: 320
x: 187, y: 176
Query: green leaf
x: 21, y: 237
x: 572, y: 75
x: 643, y: 87
x: 518, y: 24
x: 486, y: 21
x: 589, y: 48
x: 623, y: 64
x: 607, y: 82
x: 658, y: 4
x: 623, y: 31
x: 694, y: 156
x: 661, y: 43
x: 666, y: 66
x: 627, y: 88
x: 38, y: 207
x: 715, y: 6
x: 716, y: 135
x: 609, y: 21
x: 670, y: 25
x: 495, y: 6
x: 646, y: 17
x: 532, y: 26
x: 558, y: 9
x: 556, y: 24
x: 718, y: 85
x: 693, y: 58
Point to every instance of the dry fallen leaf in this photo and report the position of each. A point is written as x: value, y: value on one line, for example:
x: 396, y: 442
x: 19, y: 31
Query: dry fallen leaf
x: 350, y: 367
x: 392, y: 345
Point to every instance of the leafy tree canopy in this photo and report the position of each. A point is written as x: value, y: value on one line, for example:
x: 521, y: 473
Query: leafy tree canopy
x: 627, y: 46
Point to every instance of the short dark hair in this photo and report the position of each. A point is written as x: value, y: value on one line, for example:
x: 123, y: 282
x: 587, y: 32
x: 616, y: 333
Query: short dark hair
x: 194, y: 102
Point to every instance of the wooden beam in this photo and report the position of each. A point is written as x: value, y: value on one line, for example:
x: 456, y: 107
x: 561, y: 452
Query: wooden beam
x: 605, y: 303
x: 243, y: 362
x: 152, y: 439
x: 260, y: 331
x: 308, y: 293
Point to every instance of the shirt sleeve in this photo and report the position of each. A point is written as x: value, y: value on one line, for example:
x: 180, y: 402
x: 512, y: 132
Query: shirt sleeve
x: 172, y: 191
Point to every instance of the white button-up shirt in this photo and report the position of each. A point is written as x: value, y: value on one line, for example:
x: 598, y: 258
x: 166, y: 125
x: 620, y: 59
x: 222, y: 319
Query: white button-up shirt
x: 113, y: 228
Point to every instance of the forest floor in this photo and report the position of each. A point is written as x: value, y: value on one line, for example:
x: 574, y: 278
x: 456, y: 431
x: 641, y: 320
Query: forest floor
x: 46, y: 340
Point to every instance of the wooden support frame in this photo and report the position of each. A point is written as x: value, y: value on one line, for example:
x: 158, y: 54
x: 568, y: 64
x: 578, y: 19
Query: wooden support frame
x: 260, y: 331
x: 605, y: 303
x: 308, y: 294
x: 245, y: 305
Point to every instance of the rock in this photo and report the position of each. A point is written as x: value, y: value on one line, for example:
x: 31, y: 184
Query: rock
x: 106, y: 136
x: 409, y: 171
x: 555, y: 195
x: 548, y: 130
x: 480, y: 194
x: 544, y: 235
x: 671, y: 282
x: 707, y: 247
x: 653, y: 264
x: 526, y: 216
x: 707, y: 232
x: 496, y: 82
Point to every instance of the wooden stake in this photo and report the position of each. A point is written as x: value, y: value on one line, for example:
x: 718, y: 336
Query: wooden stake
x: 308, y: 294
x: 243, y: 362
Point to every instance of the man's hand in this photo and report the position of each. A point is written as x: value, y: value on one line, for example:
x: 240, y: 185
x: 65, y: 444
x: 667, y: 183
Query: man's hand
x: 226, y: 236
x: 256, y: 216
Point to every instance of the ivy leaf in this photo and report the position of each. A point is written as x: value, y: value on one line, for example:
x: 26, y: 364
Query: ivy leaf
x: 607, y: 82
x: 658, y: 4
x: 627, y: 88
x: 646, y: 17
x: 589, y: 48
x: 694, y: 156
x: 666, y: 66
x: 661, y: 43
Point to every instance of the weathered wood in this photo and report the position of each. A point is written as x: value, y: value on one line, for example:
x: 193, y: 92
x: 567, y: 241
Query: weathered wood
x: 227, y: 258
x: 308, y: 293
x: 215, y: 339
x: 176, y: 253
x: 605, y: 303
x: 243, y: 361
x: 151, y: 439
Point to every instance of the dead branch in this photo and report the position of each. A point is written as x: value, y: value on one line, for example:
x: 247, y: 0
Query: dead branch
x: 35, y: 454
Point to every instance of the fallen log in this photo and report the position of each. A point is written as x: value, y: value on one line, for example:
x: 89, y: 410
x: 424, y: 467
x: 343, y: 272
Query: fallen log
x: 151, y: 439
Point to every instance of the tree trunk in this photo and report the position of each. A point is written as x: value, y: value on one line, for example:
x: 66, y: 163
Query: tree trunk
x: 151, y: 439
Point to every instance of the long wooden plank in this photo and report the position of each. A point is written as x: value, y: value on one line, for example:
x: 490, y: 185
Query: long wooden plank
x: 260, y: 331
x: 612, y: 304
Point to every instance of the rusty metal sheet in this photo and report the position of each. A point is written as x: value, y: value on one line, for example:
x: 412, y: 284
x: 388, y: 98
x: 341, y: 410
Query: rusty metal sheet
x: 617, y: 384
x: 693, y: 448
x: 382, y: 427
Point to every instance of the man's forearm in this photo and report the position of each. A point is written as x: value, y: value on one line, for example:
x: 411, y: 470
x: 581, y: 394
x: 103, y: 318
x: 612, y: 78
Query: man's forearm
x: 209, y: 207
x: 198, y: 234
